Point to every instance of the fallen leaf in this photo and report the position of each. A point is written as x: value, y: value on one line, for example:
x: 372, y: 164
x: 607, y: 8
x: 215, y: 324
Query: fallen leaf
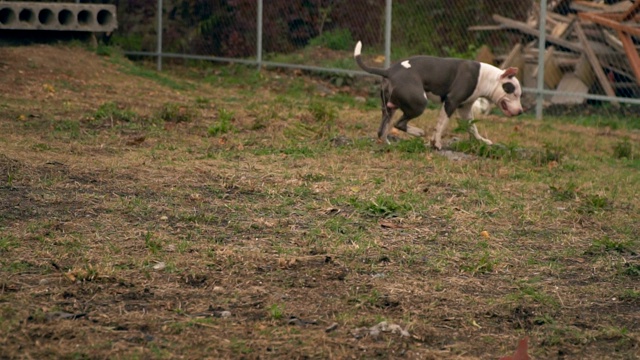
x: 521, y: 351
x: 379, y: 59
x: 389, y: 224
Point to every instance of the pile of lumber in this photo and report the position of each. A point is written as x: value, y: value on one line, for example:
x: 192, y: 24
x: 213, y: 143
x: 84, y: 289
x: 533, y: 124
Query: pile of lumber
x: 590, y: 47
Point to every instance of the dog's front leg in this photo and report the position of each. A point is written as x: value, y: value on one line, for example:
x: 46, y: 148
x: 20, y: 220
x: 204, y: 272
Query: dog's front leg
x: 443, y: 120
x: 466, y: 115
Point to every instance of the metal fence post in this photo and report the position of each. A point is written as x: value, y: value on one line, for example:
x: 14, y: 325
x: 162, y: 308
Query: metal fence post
x: 259, y: 36
x: 541, y: 49
x: 159, y: 37
x: 387, y: 34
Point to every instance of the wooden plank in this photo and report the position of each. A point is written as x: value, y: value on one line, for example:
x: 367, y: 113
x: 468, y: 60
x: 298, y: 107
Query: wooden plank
x: 598, y: 7
x: 552, y: 73
x: 522, y: 27
x: 511, y: 60
x: 485, y: 27
x: 485, y: 55
x: 610, y: 23
x: 566, y: 19
x: 584, y: 71
x: 632, y: 53
x: 595, y: 63
x: 632, y: 11
x: 618, y: 17
x: 561, y: 30
x: 612, y: 40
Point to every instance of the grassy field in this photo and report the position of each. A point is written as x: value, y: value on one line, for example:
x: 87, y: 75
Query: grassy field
x: 219, y: 212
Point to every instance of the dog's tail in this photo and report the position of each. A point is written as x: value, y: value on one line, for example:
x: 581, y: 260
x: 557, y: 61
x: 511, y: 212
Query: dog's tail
x: 357, y: 55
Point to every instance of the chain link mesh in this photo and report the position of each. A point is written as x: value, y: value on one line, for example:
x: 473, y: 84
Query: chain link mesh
x: 584, y: 54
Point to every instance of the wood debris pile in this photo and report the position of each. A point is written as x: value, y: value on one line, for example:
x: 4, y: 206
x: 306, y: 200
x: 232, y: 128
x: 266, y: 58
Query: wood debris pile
x: 591, y: 47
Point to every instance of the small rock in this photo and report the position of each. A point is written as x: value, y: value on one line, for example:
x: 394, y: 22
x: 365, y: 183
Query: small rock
x: 341, y: 140
x: 225, y: 314
x: 159, y: 266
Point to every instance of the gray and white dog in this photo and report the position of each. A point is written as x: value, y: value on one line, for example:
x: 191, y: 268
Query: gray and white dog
x: 457, y: 82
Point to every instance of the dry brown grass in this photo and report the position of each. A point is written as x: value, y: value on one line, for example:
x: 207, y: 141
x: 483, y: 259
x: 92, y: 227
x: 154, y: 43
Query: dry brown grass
x: 125, y: 233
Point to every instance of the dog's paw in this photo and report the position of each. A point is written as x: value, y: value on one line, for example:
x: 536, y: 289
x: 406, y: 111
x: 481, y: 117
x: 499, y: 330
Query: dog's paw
x: 383, y: 141
x: 412, y: 130
x: 436, y: 144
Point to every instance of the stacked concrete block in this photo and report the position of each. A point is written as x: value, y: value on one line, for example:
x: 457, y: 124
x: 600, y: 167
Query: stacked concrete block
x: 57, y: 16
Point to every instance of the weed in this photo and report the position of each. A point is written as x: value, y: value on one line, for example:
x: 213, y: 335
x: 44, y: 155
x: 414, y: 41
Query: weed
x: 19, y: 266
x: 41, y: 147
x: 313, y: 177
x: 411, y: 146
x: 631, y: 269
x: 105, y: 50
x: 381, y: 206
x: 531, y: 293
x: 323, y: 113
x: 276, y: 311
x: 630, y: 295
x: 240, y: 346
x: 10, y: 177
x: 202, y: 101
x: 7, y: 243
x: 594, y: 203
x: 113, y: 112
x: 153, y: 245
x: 223, y: 125
x: 339, y: 39
x: 623, y: 149
x: 70, y: 127
x: 551, y: 153
x: 130, y: 68
x: 605, y: 244
x: 496, y: 151
x: 172, y: 112
x: 483, y: 265
x: 568, y: 193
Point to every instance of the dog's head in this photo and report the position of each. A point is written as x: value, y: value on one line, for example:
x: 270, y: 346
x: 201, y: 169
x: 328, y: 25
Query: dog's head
x: 508, y: 92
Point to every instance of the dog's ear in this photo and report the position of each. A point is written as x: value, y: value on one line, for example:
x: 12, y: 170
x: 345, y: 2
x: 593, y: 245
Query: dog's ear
x: 510, y: 72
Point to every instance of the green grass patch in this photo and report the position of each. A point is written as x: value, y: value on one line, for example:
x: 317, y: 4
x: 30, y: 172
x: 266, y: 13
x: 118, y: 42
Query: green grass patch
x: 113, y: 112
x: 607, y: 245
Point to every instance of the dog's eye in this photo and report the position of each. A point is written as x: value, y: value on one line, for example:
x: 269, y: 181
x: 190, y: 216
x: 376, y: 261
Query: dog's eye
x: 509, y: 88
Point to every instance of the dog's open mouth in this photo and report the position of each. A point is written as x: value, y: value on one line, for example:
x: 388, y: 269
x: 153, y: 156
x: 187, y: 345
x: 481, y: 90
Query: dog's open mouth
x: 505, y: 108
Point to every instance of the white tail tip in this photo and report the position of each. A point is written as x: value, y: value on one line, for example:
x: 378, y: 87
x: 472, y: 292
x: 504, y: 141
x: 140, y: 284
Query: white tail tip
x: 358, y: 49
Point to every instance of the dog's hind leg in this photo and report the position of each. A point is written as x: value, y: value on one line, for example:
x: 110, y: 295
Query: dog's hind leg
x: 466, y: 115
x: 383, y: 131
x: 411, y: 110
x: 388, y: 110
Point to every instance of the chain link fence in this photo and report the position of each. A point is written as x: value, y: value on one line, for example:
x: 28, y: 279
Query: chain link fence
x: 573, y: 56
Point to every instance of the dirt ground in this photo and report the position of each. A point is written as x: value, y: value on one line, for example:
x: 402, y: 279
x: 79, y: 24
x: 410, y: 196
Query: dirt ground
x: 219, y: 212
